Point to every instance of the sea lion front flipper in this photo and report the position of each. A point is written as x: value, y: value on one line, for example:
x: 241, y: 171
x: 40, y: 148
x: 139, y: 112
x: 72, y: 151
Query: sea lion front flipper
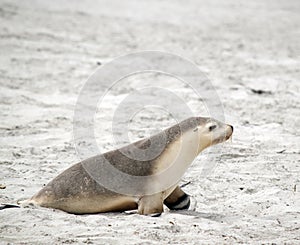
x: 178, y: 200
x: 152, y: 205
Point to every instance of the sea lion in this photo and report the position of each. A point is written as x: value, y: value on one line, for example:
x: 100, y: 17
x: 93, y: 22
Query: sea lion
x: 75, y: 191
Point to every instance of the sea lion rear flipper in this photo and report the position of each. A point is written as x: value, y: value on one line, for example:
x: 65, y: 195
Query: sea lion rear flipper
x: 7, y: 205
x: 178, y: 200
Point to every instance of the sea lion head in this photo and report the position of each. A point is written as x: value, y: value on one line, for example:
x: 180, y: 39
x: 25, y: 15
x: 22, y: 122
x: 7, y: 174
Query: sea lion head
x: 210, y: 132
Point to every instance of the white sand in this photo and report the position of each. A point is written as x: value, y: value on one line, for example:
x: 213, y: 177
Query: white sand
x: 49, y: 50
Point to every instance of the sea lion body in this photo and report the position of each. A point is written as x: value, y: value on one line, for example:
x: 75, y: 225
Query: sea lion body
x: 76, y: 191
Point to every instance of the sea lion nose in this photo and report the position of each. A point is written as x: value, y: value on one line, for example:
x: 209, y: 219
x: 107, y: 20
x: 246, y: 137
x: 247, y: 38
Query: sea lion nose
x: 231, y: 128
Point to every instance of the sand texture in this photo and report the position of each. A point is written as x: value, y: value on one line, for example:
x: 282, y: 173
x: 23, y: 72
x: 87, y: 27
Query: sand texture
x: 250, y: 52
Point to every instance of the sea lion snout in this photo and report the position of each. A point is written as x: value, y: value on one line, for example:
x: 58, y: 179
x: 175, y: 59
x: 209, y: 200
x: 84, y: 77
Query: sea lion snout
x: 229, y: 131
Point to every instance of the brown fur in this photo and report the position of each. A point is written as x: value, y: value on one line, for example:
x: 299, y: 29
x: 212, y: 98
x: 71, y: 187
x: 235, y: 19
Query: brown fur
x: 75, y: 191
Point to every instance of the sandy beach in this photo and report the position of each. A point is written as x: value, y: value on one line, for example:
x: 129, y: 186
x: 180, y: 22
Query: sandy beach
x: 249, y: 51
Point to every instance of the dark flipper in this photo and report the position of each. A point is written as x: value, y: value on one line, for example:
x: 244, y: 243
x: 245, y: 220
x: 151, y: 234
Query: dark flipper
x: 6, y: 205
x: 178, y: 200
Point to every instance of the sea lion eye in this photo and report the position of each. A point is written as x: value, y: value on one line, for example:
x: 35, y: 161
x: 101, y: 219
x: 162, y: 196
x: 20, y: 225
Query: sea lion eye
x: 212, y: 127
